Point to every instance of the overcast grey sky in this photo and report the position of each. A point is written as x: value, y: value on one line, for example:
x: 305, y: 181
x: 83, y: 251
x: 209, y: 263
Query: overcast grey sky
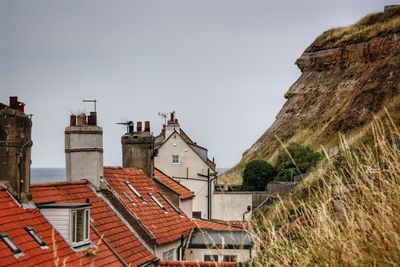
x: 222, y: 65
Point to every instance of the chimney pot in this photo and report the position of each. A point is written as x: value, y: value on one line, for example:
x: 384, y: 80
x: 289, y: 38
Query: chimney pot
x: 92, y: 118
x: 131, y: 128
x: 14, y: 102
x: 139, y: 126
x: 72, y: 120
x: 147, y: 126
x: 81, y: 119
x: 21, y: 106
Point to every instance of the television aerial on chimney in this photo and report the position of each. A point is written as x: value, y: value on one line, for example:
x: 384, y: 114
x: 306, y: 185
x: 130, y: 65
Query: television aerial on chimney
x: 91, y: 101
x: 129, y: 126
x: 165, y: 115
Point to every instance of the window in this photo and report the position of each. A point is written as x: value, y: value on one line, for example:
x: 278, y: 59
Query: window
x: 36, y: 237
x: 80, y: 226
x: 170, y: 203
x: 130, y: 186
x: 157, y: 201
x: 196, y: 214
x: 230, y: 258
x: 211, y: 257
x: 9, y: 243
x: 176, y: 159
x: 168, y: 255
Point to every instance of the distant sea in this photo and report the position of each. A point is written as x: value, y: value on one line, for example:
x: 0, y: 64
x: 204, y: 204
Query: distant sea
x: 43, y: 175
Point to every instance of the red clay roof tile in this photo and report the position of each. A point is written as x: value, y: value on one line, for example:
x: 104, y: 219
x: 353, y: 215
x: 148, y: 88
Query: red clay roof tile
x: 196, y: 264
x: 103, y: 219
x: 12, y: 222
x: 206, y: 224
x: 183, y: 192
x: 167, y: 226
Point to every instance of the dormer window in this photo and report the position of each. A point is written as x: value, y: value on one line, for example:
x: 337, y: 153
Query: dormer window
x: 36, y: 237
x: 133, y: 189
x: 153, y: 197
x: 11, y: 245
x: 80, y: 226
x: 71, y: 220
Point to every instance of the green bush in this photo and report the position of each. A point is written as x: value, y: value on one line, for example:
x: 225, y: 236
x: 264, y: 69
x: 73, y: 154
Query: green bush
x: 257, y: 174
x: 304, y: 157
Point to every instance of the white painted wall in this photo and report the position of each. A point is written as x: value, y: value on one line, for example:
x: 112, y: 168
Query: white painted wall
x: 193, y: 254
x: 230, y: 206
x: 190, y: 166
x: 163, y: 248
x: 187, y: 206
x: 60, y: 220
x: 84, y: 165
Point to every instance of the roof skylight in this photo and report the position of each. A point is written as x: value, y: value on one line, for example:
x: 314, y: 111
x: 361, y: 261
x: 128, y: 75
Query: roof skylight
x: 169, y: 202
x: 129, y: 198
x: 6, y: 239
x: 36, y: 237
x: 130, y: 186
x: 153, y: 197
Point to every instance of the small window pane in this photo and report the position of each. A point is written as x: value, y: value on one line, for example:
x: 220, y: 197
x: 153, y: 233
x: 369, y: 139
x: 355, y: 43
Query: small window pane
x: 168, y: 255
x: 80, y: 226
x: 230, y: 258
x: 175, y: 159
x: 87, y: 224
x: 73, y: 236
x: 211, y: 257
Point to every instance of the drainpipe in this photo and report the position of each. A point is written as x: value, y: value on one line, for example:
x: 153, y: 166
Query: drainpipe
x: 179, y: 251
x: 210, y: 193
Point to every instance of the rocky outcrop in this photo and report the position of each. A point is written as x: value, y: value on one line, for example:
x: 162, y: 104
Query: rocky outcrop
x: 338, y: 91
x: 348, y: 75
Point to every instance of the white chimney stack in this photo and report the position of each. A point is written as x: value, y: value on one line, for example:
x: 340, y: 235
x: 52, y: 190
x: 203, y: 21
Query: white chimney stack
x: 84, y: 149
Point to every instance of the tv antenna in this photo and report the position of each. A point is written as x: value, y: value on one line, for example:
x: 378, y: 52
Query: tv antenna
x: 165, y: 115
x: 127, y: 124
x: 91, y: 101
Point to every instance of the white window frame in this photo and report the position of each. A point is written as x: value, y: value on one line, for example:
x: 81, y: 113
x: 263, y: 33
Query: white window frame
x: 179, y: 159
x: 211, y: 254
x: 86, y: 227
x: 170, y: 256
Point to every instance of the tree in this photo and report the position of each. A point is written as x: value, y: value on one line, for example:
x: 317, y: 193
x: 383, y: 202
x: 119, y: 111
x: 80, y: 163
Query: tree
x: 257, y: 174
x: 304, y: 157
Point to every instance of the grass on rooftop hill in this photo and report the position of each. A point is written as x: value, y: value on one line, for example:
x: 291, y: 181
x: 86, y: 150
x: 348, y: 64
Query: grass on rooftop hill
x: 346, y: 213
x: 372, y: 25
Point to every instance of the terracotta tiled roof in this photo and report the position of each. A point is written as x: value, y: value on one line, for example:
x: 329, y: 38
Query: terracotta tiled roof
x: 103, y: 219
x: 14, y: 218
x: 165, y: 226
x: 207, y: 224
x: 196, y: 264
x: 183, y: 192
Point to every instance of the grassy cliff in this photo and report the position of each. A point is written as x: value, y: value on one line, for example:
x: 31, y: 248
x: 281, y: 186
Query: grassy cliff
x: 348, y: 74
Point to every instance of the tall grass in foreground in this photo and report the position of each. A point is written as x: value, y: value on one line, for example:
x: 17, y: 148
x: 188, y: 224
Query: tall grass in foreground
x: 347, y: 213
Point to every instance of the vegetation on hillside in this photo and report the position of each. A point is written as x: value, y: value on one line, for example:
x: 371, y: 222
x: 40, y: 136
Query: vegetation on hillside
x: 295, y: 159
x: 373, y: 25
x: 257, y: 174
x: 345, y: 213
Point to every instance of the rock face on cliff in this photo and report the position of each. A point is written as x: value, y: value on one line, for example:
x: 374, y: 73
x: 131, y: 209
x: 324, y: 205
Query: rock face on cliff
x: 343, y: 83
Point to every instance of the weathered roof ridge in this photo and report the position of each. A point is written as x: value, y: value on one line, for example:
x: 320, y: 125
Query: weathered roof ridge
x: 60, y: 183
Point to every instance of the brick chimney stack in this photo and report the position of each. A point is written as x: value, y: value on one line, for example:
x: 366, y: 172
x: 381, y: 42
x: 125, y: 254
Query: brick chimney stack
x: 138, y: 149
x: 15, y: 149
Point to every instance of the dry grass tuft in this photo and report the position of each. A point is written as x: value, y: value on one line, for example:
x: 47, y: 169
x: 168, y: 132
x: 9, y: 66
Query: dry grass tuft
x: 345, y: 214
x: 373, y: 25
